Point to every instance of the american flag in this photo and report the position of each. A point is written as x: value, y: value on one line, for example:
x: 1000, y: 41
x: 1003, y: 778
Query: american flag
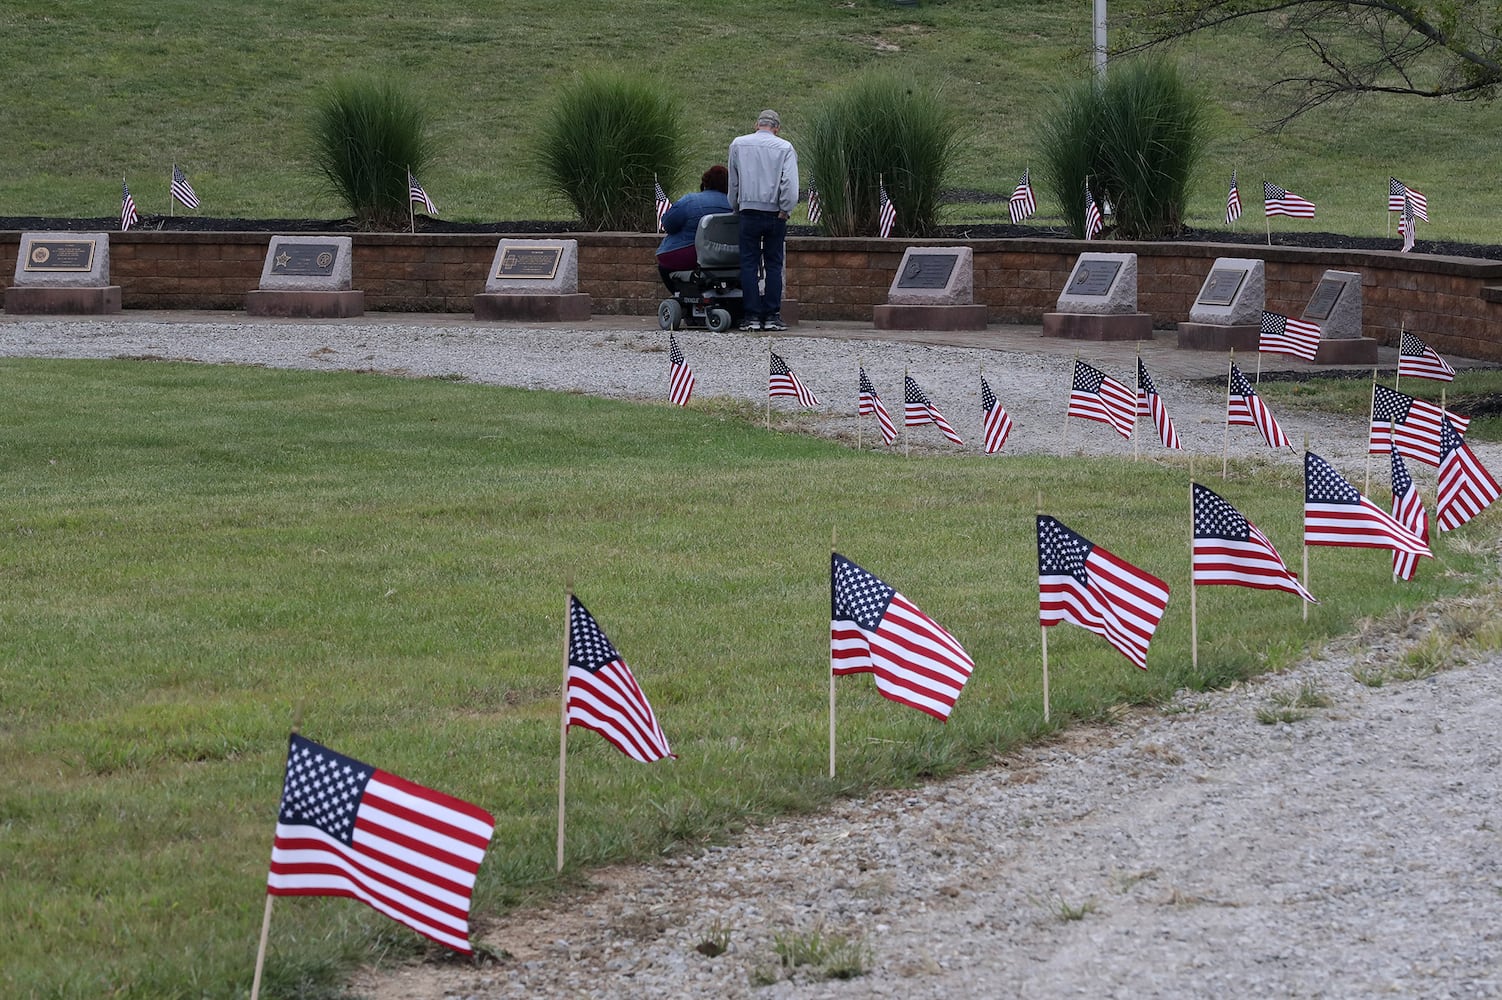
x: 1412, y: 423
x: 1465, y: 487
x: 680, y: 375
x: 918, y: 410
x: 347, y: 829
x: 1418, y: 360
x: 782, y: 382
x: 1082, y: 583
x: 1335, y: 513
x: 181, y: 189
x: 1407, y: 510
x: 995, y: 420
x: 1233, y: 201
x: 874, y: 630
x: 1278, y: 201
x: 128, y: 216
x: 1094, y: 395
x: 888, y: 213
x: 415, y: 193
x: 1398, y: 193
x: 1023, y: 204
x: 1407, y: 227
x: 815, y: 209
x: 1244, y: 408
x: 1093, y: 223
x: 871, y: 403
x: 603, y: 694
x: 1286, y: 335
x: 661, y: 201
x: 1150, y: 405
x: 1231, y: 551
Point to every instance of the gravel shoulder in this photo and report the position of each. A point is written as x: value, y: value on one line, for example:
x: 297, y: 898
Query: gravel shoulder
x: 1185, y: 851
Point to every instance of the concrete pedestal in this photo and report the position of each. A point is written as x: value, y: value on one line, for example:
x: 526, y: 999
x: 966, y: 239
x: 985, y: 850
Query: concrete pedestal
x: 32, y: 300
x: 539, y: 307
x: 305, y: 305
x: 1097, y: 326
x: 1216, y: 337
x: 936, y: 317
x: 1347, y: 351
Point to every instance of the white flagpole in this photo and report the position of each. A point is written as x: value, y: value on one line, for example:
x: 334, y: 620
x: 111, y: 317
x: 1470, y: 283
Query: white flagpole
x: 769, y: 386
x: 411, y: 212
x: 1225, y: 446
x: 858, y: 439
x: 905, y: 452
x: 1399, y: 376
x: 568, y: 609
x: 1136, y: 405
x: 1371, y: 413
x: 1306, y: 536
x: 171, y: 200
x: 1194, y: 627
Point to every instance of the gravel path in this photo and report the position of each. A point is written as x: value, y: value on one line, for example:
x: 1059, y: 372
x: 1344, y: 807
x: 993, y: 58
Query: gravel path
x: 1191, y: 851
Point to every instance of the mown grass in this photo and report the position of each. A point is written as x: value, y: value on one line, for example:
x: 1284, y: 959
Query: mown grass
x: 1476, y: 393
x: 193, y: 556
x: 108, y: 88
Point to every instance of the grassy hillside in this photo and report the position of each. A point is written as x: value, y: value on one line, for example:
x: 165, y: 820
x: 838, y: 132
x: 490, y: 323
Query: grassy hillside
x: 107, y: 89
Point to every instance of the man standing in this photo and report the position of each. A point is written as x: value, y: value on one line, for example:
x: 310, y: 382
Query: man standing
x: 763, y: 191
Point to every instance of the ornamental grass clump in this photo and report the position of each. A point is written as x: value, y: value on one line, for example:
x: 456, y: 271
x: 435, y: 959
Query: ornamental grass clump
x: 1135, y: 139
x: 366, y: 134
x: 603, y: 146
x: 880, y: 131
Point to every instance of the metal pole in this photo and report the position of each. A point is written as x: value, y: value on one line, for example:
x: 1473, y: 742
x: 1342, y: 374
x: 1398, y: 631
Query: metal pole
x: 1100, y: 38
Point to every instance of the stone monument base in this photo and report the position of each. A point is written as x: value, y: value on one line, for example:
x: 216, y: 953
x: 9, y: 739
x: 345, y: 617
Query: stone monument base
x: 1218, y: 337
x: 1347, y: 351
x: 929, y: 317
x: 1099, y: 326
x: 32, y: 300
x: 541, y: 307
x: 305, y: 304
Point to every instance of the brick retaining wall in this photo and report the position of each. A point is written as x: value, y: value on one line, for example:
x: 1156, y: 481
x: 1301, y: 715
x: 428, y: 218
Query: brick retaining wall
x: 1454, y: 303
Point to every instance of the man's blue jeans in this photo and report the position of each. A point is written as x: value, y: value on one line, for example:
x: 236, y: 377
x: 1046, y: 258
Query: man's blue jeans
x: 763, y: 241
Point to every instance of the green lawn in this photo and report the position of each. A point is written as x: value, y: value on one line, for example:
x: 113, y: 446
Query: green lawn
x: 104, y: 90
x: 194, y: 556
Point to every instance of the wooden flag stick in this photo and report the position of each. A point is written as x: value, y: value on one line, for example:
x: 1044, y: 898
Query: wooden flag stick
x: 1398, y: 376
x: 1194, y: 628
x: 1065, y: 443
x: 568, y: 610
x: 1306, y: 530
x: 831, y: 671
x: 1371, y: 414
x: 769, y: 384
x: 411, y: 212
x: 1136, y: 446
x: 905, y: 453
x: 858, y: 442
x: 171, y: 198
x: 1225, y: 444
x: 255, y: 980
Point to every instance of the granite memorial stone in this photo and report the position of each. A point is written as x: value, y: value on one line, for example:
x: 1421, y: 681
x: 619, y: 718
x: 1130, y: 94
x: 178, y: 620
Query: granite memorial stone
x: 933, y: 289
x: 64, y: 273
x: 307, y: 276
x: 1227, y: 313
x: 1336, y: 306
x: 534, y: 280
x: 1099, y: 301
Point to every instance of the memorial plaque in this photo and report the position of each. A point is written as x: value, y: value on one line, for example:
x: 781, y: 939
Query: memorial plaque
x: 1093, y: 278
x: 528, y: 262
x: 1323, y: 301
x: 60, y: 255
x: 305, y: 260
x: 927, y: 270
x: 1221, y: 287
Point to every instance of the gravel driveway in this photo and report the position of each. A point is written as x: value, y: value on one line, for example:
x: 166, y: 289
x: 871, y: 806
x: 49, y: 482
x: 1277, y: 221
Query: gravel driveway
x: 1188, y: 851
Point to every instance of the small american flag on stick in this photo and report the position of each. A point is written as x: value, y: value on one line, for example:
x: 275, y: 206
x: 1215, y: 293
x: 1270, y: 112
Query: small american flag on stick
x: 345, y: 828
x: 782, y: 381
x: 1285, y: 335
x: 1410, y: 424
x: 871, y: 403
x: 1335, y: 513
x: 1094, y: 395
x: 1093, y: 223
x: 1244, y: 408
x: 1418, y: 360
x: 128, y: 216
x: 181, y: 189
x: 815, y: 208
x: 995, y: 420
x: 1233, y: 201
x: 416, y: 195
x: 918, y: 410
x: 1022, y: 204
x: 1465, y: 487
x: 1407, y: 510
x: 873, y: 629
x: 1081, y: 583
x: 680, y: 375
x: 1281, y: 201
x: 1230, y: 551
x: 603, y: 695
x: 1150, y: 405
x: 1399, y: 193
x: 887, y: 214
x: 661, y: 201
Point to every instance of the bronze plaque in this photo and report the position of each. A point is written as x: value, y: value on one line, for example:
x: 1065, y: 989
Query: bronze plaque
x: 60, y: 255
x: 1093, y: 277
x: 529, y: 262
x: 929, y: 270
x: 1221, y: 287
x: 1322, y: 303
x: 305, y: 260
